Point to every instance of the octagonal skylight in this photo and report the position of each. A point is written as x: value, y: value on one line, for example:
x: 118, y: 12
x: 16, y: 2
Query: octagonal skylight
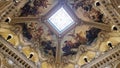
x: 61, y: 20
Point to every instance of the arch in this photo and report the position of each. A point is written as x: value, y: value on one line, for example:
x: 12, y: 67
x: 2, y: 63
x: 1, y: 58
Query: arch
x: 97, y: 3
x: 8, y: 20
x: 114, y: 28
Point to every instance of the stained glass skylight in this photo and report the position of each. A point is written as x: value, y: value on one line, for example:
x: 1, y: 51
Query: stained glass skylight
x: 61, y: 20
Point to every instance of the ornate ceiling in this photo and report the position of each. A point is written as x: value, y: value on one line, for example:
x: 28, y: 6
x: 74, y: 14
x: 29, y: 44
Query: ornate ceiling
x: 33, y: 33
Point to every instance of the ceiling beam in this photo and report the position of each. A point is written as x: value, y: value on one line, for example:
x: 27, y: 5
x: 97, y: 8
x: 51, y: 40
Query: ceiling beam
x: 101, y: 26
x: 23, y: 19
x: 58, y: 54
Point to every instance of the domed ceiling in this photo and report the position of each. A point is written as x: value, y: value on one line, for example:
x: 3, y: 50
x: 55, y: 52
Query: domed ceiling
x: 59, y: 33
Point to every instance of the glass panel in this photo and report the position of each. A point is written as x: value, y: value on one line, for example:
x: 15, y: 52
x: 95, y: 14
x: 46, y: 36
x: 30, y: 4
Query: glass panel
x: 61, y: 20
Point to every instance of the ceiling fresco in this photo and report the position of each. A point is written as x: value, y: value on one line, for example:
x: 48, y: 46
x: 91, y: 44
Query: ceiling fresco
x: 51, y: 46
